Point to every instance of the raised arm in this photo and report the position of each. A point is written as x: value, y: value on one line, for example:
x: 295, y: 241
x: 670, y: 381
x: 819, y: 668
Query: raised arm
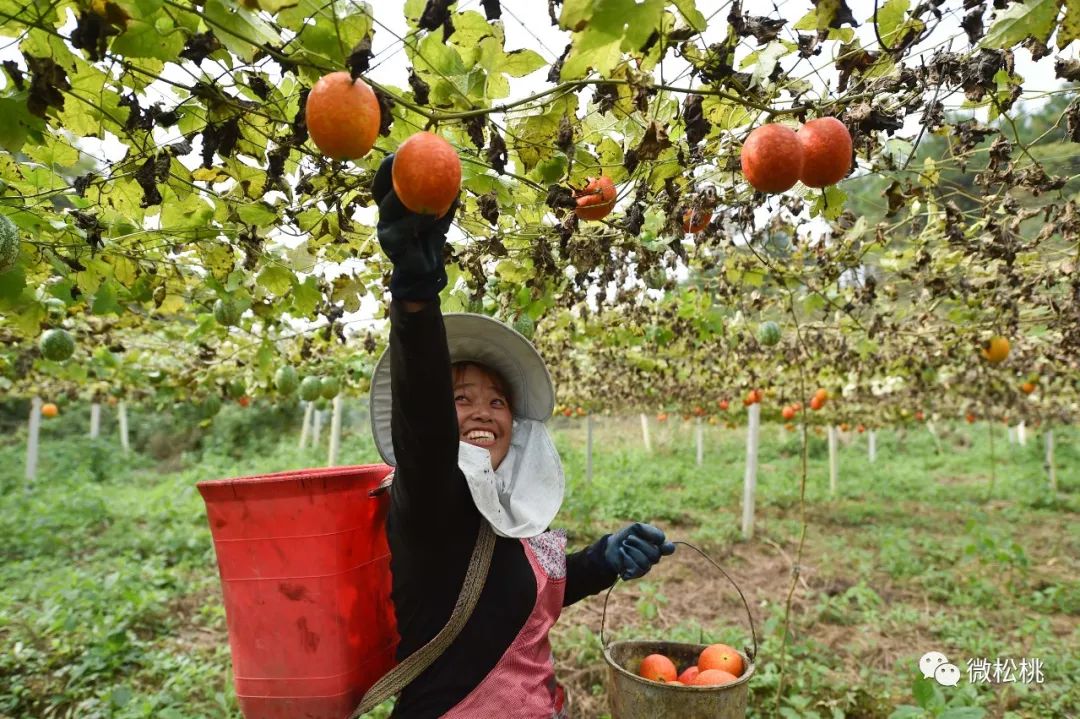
x: 427, y: 483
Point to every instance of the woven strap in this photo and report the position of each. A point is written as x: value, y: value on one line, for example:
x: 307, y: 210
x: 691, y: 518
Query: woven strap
x: 399, y: 677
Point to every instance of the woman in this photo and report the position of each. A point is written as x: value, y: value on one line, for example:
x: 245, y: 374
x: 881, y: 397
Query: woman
x: 458, y: 405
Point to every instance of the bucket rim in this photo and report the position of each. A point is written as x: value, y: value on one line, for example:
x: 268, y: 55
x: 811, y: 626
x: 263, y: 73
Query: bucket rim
x: 748, y: 666
x: 291, y: 475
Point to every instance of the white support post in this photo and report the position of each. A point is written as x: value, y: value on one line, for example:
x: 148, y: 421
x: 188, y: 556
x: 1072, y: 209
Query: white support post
x: 1021, y: 434
x: 32, y: 438
x: 122, y: 417
x: 588, y: 448
x: 305, y: 430
x: 1012, y: 435
x: 95, y: 420
x: 335, y: 433
x: 1050, y: 459
x: 750, y: 479
x: 316, y: 428
x: 645, y: 432
x: 832, y: 460
x: 872, y: 445
x: 700, y: 442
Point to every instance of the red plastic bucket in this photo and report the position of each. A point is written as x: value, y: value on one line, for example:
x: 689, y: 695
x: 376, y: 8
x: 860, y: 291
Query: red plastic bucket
x: 305, y: 573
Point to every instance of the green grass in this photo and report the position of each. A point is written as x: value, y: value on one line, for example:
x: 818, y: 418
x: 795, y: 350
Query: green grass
x: 110, y: 605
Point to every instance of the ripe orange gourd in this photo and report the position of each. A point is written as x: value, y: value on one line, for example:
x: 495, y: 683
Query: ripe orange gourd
x: 772, y: 158
x: 826, y: 152
x: 658, y: 668
x: 597, y: 199
x: 788, y: 412
x: 695, y: 220
x: 49, y: 410
x: 996, y: 350
x: 722, y: 657
x: 713, y: 677
x: 427, y: 174
x: 1027, y: 387
x: 342, y: 116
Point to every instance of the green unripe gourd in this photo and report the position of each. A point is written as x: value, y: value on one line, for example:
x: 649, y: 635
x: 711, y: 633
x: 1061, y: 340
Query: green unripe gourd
x: 769, y: 333
x: 57, y: 345
x: 285, y: 380
x: 330, y: 387
x: 310, y: 389
x: 525, y: 325
x: 227, y: 312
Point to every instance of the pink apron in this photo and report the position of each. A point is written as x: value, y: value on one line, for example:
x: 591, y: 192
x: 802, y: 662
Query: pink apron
x: 522, y: 685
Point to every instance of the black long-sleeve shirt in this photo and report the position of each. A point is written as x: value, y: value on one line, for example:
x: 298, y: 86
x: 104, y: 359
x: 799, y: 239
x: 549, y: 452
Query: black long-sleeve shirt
x: 433, y: 524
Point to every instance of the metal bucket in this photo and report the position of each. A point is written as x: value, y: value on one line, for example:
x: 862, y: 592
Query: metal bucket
x: 633, y: 697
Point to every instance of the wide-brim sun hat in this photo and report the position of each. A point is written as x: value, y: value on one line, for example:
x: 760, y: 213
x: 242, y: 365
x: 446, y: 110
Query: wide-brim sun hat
x: 482, y: 339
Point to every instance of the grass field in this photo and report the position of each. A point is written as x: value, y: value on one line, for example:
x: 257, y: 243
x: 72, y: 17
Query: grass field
x: 110, y: 604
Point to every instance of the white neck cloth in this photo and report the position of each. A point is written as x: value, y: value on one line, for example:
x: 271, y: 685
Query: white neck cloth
x: 524, y: 494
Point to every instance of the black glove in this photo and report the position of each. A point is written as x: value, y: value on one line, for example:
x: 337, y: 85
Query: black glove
x: 632, y: 551
x: 413, y: 242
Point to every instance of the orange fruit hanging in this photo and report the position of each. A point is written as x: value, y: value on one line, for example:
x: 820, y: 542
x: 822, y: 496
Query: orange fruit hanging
x: 996, y: 350
x: 695, y: 221
x: 772, y: 158
x: 597, y: 199
x: 826, y: 147
x: 342, y: 116
x: 427, y: 174
x: 49, y: 410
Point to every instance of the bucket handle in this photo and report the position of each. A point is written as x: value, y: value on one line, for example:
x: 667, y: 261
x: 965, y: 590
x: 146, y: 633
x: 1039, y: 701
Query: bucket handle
x: 753, y: 632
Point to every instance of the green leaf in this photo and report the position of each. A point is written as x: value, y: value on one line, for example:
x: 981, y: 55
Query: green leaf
x: 240, y: 30
x: 694, y: 18
x: 276, y: 280
x: 519, y: 63
x: 906, y: 711
x: 1016, y: 22
x: 259, y: 214
x: 11, y: 285
x: 890, y: 19
x: 926, y: 693
x: 306, y: 297
x: 150, y: 32
x: 16, y: 122
x: 1069, y: 29
x: 105, y: 299
x: 963, y: 713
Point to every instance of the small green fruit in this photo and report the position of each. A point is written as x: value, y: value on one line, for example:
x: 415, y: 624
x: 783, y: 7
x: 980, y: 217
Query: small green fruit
x: 227, y: 312
x: 57, y: 345
x: 286, y: 380
x: 210, y: 406
x: 330, y: 387
x: 769, y: 333
x: 9, y: 243
x: 322, y: 405
x: 310, y: 389
x: 525, y: 325
x: 237, y: 389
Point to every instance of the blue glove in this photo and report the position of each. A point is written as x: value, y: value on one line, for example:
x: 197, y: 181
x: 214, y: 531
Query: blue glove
x: 413, y: 242
x: 631, y: 552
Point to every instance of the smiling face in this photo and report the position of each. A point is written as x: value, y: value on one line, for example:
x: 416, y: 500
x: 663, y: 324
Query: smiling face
x: 483, y: 410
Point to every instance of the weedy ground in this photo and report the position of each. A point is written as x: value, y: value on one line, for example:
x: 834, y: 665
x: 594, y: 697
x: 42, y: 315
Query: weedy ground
x: 110, y: 604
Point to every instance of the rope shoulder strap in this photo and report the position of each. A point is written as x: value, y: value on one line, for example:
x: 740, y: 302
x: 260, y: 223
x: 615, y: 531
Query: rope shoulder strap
x: 399, y: 677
